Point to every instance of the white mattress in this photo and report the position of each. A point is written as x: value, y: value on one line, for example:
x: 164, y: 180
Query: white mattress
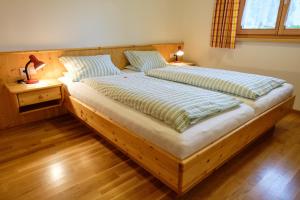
x: 271, y: 99
x: 264, y: 103
x: 180, y: 145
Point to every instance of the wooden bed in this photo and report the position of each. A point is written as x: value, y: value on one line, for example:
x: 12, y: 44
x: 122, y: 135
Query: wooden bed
x: 179, y: 175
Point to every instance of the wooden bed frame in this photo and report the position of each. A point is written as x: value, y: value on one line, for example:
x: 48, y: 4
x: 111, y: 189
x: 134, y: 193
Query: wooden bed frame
x: 179, y: 175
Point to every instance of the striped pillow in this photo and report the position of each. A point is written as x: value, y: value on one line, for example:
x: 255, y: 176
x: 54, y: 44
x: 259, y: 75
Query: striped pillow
x: 130, y: 67
x: 145, y: 60
x: 81, y: 67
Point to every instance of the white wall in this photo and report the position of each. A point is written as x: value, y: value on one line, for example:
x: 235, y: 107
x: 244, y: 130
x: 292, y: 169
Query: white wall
x: 275, y: 59
x: 52, y: 24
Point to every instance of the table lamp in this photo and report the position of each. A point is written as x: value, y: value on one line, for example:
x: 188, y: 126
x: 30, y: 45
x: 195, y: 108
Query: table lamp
x: 37, y: 64
x: 179, y: 53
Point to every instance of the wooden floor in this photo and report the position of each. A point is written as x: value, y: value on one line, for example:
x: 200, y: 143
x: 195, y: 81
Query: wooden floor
x: 62, y: 159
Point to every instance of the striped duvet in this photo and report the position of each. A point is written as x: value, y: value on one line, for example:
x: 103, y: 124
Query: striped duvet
x: 177, y: 105
x: 240, y: 84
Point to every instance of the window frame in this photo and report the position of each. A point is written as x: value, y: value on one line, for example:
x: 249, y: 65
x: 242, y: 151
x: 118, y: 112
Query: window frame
x: 278, y: 32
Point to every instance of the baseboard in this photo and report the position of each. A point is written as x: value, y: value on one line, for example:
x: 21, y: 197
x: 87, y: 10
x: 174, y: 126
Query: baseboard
x: 296, y: 111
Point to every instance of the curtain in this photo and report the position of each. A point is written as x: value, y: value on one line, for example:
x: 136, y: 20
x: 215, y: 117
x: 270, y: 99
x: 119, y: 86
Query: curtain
x: 225, y: 24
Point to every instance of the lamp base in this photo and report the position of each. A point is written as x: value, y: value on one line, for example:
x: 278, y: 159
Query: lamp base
x: 31, y: 81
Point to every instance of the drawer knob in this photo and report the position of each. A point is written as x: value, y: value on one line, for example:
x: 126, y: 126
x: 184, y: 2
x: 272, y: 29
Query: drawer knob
x: 40, y: 97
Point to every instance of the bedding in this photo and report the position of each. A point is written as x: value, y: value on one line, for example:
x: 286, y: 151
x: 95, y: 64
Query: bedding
x: 263, y: 103
x: 145, y: 60
x: 181, y: 145
x: 245, y: 85
x: 271, y: 99
x: 80, y: 67
x: 177, y: 105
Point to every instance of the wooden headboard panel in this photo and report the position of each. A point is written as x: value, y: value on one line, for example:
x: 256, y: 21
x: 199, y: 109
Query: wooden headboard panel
x: 11, y: 62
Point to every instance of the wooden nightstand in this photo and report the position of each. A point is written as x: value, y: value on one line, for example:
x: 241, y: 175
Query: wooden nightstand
x: 43, y: 95
x: 182, y: 63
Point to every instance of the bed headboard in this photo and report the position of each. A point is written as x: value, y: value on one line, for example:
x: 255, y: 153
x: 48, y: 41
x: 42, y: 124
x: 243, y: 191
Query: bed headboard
x: 11, y: 62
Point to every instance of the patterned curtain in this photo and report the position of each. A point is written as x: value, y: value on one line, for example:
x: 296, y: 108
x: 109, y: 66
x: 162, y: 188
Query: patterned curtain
x: 225, y: 24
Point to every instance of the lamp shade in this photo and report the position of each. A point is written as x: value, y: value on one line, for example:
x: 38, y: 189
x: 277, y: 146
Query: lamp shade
x: 36, y: 63
x: 179, y: 53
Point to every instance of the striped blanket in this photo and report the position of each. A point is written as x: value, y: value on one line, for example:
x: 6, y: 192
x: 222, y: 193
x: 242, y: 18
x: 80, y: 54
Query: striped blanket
x: 177, y: 105
x: 250, y: 86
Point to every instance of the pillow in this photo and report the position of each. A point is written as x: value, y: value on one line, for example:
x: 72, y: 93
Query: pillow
x: 132, y: 68
x: 81, y: 67
x: 145, y: 60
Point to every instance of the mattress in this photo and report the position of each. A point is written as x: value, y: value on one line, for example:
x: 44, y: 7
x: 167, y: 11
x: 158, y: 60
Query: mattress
x: 273, y: 98
x: 179, y: 145
x: 263, y: 103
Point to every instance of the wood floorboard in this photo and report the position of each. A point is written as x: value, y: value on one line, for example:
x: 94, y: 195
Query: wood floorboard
x: 62, y: 159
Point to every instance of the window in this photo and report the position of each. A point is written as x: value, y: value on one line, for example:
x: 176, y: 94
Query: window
x: 273, y: 18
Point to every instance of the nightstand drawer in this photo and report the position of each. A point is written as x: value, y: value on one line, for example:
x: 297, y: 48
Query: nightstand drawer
x: 39, y: 96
